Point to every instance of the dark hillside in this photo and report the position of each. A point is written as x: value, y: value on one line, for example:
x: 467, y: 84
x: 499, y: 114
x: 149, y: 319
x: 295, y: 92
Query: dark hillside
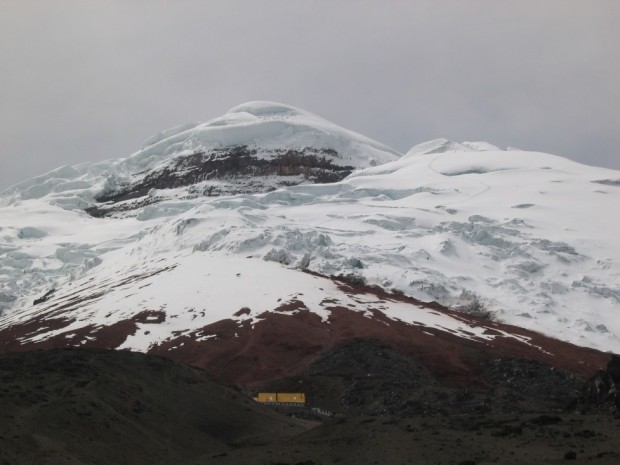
x: 85, y: 406
x: 112, y: 407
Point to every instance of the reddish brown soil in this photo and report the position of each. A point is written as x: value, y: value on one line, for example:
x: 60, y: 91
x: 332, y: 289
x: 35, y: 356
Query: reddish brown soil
x: 286, y: 341
x: 284, y: 344
x: 99, y: 337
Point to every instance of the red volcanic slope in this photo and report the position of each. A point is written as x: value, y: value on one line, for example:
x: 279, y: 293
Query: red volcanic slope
x: 288, y: 339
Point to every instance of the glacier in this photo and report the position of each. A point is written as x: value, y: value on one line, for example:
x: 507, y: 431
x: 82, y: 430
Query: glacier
x: 523, y: 237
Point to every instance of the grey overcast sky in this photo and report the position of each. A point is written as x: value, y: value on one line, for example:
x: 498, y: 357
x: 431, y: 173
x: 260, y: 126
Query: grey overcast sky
x: 85, y: 80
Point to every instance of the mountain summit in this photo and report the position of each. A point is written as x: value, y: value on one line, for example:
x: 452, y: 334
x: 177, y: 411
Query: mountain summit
x: 255, y: 147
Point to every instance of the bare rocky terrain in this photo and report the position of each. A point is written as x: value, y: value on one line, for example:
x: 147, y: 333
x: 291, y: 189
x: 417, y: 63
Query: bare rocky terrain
x: 237, y: 170
x: 448, y: 440
x: 85, y: 406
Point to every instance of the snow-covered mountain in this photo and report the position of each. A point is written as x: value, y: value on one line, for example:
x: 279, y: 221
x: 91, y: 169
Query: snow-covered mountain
x: 213, y: 228
x: 255, y: 147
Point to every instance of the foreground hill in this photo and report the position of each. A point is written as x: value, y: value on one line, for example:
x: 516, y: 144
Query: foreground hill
x: 102, y: 407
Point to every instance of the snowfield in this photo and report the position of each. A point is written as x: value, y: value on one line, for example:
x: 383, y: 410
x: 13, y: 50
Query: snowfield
x: 528, y: 238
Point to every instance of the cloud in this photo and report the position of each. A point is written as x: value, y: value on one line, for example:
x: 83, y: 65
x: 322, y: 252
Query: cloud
x: 91, y: 80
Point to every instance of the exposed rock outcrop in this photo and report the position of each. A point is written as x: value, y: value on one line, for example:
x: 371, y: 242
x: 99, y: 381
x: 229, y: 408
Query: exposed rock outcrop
x: 602, y: 391
x: 227, y: 171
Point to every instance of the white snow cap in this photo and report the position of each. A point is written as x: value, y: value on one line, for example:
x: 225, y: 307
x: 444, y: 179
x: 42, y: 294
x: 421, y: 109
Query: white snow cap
x: 266, y: 127
x: 263, y: 126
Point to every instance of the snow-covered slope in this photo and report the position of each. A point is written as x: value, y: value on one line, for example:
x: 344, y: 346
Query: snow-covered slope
x: 445, y: 145
x: 528, y: 238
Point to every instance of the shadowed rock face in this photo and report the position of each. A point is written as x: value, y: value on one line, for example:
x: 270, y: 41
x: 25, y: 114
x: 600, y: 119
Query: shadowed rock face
x: 243, y: 170
x: 368, y: 377
x: 602, y: 392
